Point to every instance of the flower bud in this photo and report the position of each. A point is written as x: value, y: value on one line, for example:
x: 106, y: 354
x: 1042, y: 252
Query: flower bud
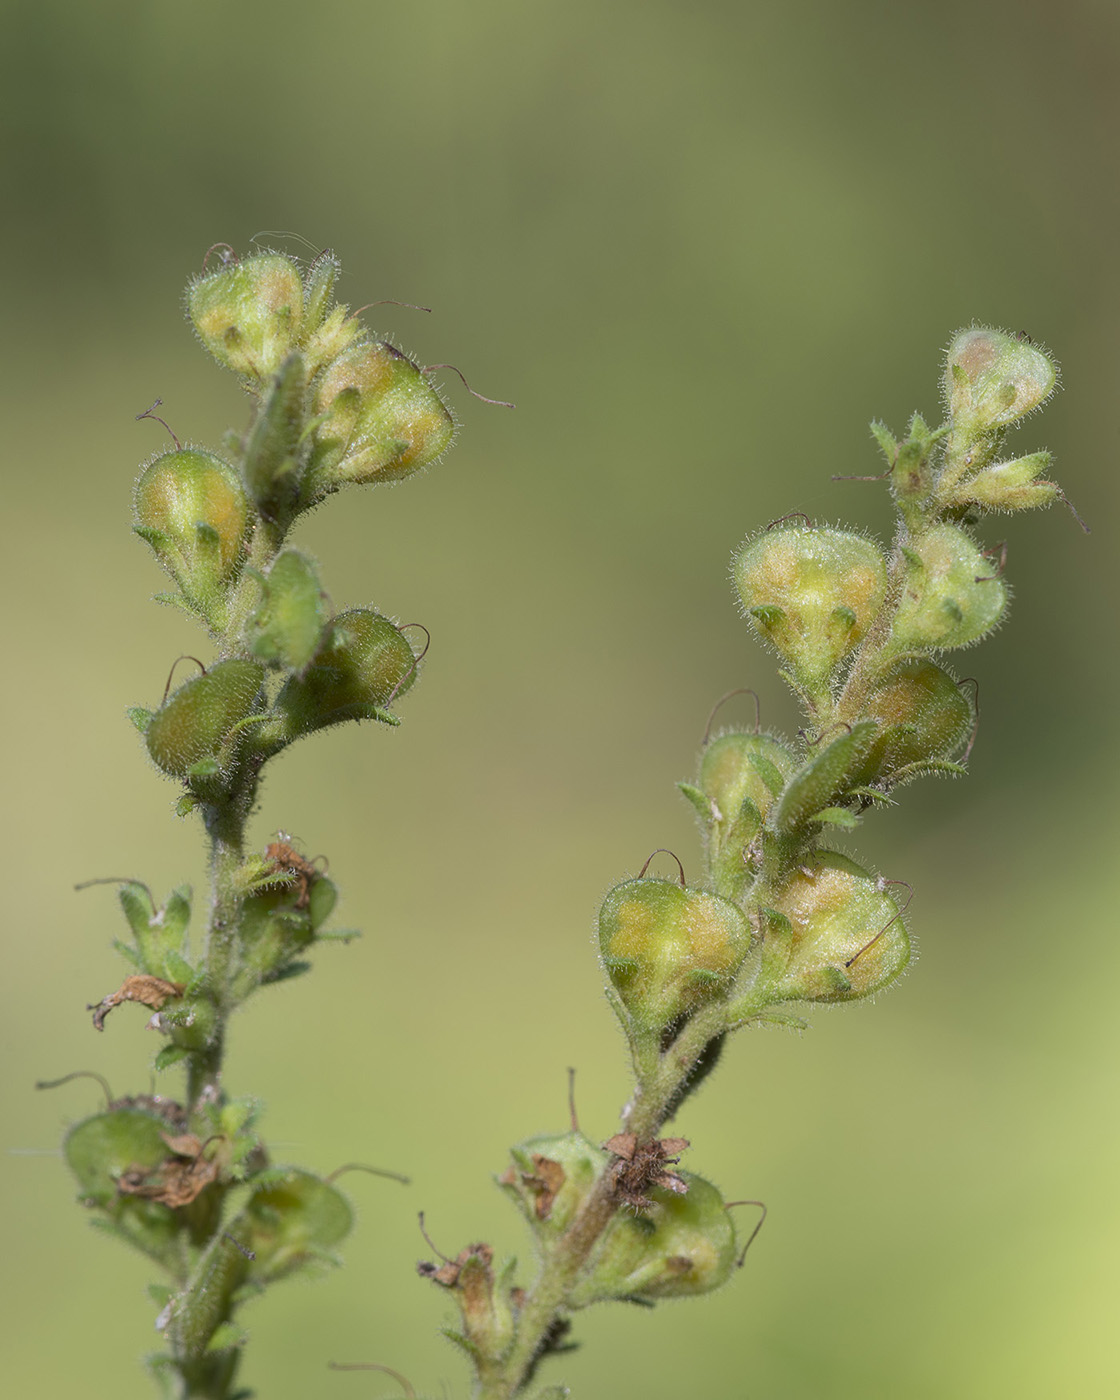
x: 248, y: 314
x: 950, y: 598
x: 192, y: 509
x: 669, y: 949
x: 833, y: 935
x: 1009, y: 485
x: 381, y: 419
x: 364, y: 662
x: 923, y: 714
x: 684, y: 1245
x: 194, y: 724
x: 992, y: 378
x: 812, y: 593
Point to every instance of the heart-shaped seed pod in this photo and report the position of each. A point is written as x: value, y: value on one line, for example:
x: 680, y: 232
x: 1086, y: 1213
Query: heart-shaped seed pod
x: 950, y: 597
x: 249, y: 314
x: 669, y: 949
x: 811, y: 593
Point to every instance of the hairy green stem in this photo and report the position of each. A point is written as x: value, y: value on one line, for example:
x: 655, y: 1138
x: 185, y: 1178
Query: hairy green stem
x: 651, y: 1106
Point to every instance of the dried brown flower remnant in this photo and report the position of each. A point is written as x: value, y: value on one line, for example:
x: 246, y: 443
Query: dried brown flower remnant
x: 543, y: 1182
x: 294, y: 867
x: 172, y: 1113
x: 637, y: 1166
x: 142, y: 987
x: 178, y: 1179
x: 448, y: 1272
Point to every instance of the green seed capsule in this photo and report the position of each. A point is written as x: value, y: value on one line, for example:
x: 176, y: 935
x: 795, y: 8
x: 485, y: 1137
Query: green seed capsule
x: 195, y: 722
x: 683, y: 1246
x: 100, y: 1151
x: 740, y: 776
x: 992, y: 378
x: 950, y: 598
x: 812, y: 593
x: 924, y: 714
x: 833, y: 935
x: 291, y: 1220
x: 669, y: 949
x: 248, y: 315
x: 737, y: 768
x: 192, y: 509
x: 550, y: 1178
x: 365, y: 662
x: 381, y: 420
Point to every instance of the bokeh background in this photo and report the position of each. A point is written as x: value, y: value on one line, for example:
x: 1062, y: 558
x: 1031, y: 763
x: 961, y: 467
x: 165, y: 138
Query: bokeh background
x: 701, y: 246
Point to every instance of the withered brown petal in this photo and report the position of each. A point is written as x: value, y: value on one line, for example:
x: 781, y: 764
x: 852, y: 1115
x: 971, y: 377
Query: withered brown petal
x: 140, y: 986
x: 622, y: 1145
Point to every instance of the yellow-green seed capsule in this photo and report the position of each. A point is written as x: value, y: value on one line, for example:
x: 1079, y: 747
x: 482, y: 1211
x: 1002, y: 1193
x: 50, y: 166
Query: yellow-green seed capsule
x: 682, y: 1246
x: 812, y: 593
x: 924, y: 714
x: 249, y: 314
x: 951, y: 596
x: 192, y: 509
x: 381, y: 419
x: 834, y: 934
x: 669, y: 949
x: 195, y: 722
x: 992, y: 378
x: 737, y: 768
x: 740, y: 777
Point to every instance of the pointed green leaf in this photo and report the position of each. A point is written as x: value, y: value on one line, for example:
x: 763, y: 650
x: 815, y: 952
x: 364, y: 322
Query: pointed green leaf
x: 287, y: 627
x: 136, y: 901
x: 140, y: 717
x: 130, y: 955
x: 321, y: 901
x: 836, y: 816
x: 888, y: 445
x: 699, y: 800
x: 769, y: 773
x: 272, y: 456
x: 824, y: 778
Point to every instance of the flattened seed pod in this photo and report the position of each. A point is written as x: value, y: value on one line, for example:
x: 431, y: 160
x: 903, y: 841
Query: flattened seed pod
x: 365, y: 661
x: 249, y: 314
x: 838, y: 935
x: 683, y: 1246
x: 381, y: 419
x: 924, y: 714
x: 992, y: 378
x: 194, y: 723
x: 950, y: 598
x: 669, y: 949
x: 192, y: 509
x: 812, y: 593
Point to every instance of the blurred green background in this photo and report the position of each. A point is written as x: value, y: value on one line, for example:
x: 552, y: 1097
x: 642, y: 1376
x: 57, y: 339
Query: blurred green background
x: 701, y: 246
